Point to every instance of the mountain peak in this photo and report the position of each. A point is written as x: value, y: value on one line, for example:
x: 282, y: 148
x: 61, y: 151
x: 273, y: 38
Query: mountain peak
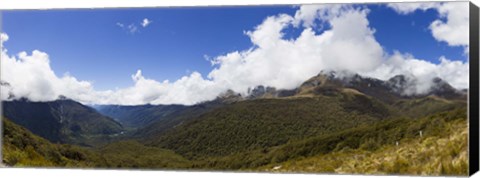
x: 62, y: 97
x: 399, y: 83
x: 444, y: 89
x: 262, y: 92
x: 229, y: 96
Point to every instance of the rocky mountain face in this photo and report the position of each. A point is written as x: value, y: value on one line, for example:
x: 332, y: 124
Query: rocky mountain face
x: 397, y: 87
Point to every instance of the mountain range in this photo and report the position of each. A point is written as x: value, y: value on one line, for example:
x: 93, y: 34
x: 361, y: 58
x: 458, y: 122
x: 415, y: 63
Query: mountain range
x: 327, y: 113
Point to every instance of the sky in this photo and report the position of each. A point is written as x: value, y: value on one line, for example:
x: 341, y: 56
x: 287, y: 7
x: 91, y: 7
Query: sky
x: 189, y: 55
x: 172, y: 45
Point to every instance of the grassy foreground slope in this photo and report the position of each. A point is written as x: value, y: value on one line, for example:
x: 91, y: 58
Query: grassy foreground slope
x: 441, y: 150
x: 21, y: 148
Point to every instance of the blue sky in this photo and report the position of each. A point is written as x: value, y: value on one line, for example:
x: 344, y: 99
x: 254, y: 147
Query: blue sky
x: 190, y: 55
x: 90, y: 46
x: 410, y: 33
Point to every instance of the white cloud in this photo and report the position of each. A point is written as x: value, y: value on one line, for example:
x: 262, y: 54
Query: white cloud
x: 121, y: 25
x: 409, y: 7
x: 30, y: 75
x: 284, y: 63
x: 308, y: 14
x: 271, y: 61
x: 3, y: 38
x: 452, y: 25
x: 454, y: 28
x: 133, y: 28
x: 187, y: 90
x: 146, y: 22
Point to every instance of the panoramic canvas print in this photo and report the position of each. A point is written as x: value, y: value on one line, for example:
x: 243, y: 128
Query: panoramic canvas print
x: 375, y: 88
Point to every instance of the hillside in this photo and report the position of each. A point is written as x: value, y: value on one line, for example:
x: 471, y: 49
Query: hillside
x: 441, y: 149
x: 61, y: 121
x: 178, y: 118
x: 21, y: 148
x: 419, y: 107
x: 263, y: 123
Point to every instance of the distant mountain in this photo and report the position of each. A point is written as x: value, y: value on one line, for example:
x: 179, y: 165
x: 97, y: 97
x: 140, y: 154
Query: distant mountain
x: 140, y: 115
x: 397, y: 87
x: 439, y: 97
x: 443, y: 89
x: 61, y: 121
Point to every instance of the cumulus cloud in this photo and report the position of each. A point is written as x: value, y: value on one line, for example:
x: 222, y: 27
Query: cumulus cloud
x: 30, y: 76
x: 309, y: 14
x: 349, y: 44
x: 187, y: 90
x: 146, y: 22
x: 284, y: 63
x: 452, y: 25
